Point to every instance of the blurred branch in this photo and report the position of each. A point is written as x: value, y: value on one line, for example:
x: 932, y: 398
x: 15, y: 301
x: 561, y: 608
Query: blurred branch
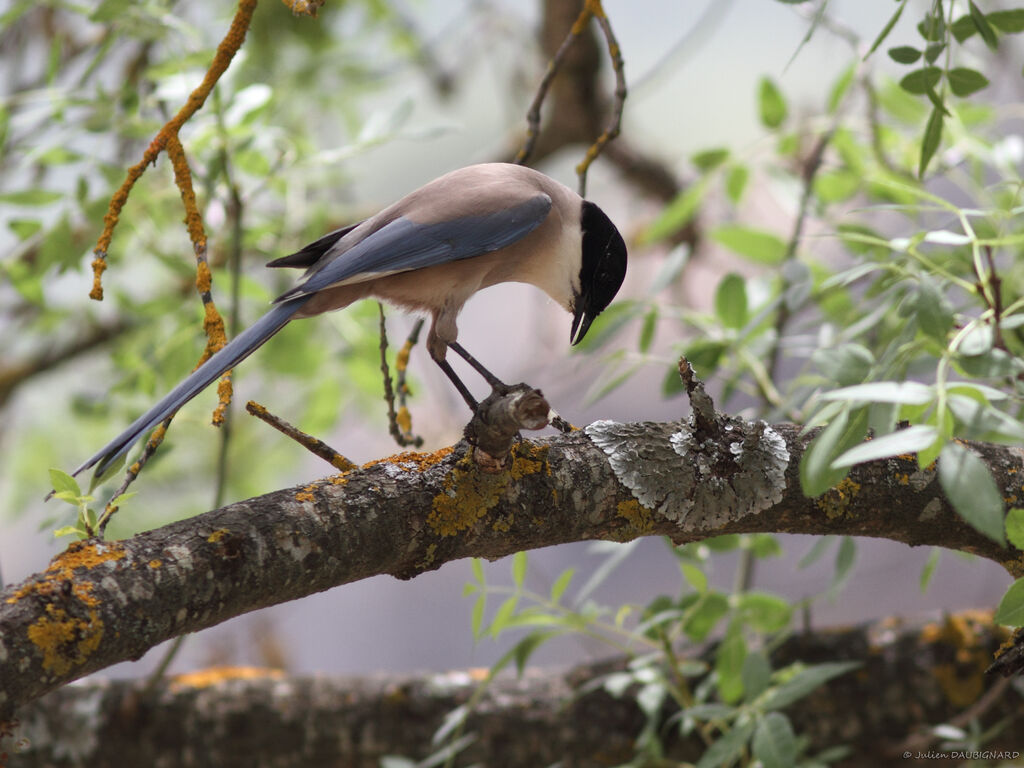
x: 15, y: 373
x: 543, y: 717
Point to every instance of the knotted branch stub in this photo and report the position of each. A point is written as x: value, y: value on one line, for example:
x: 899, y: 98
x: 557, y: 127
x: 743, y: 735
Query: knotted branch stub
x: 495, y: 426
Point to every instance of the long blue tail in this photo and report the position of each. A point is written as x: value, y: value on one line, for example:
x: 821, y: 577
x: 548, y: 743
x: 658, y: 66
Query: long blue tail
x: 236, y: 350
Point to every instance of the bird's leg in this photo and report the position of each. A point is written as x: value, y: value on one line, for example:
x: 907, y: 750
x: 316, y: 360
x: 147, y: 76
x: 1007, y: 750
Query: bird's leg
x: 496, y: 384
x: 445, y: 366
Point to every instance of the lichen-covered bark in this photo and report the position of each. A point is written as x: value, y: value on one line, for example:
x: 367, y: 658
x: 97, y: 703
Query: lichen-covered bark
x: 102, y: 603
x: 912, y: 677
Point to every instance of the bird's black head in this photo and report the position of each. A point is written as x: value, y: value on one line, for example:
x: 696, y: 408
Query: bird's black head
x: 602, y: 272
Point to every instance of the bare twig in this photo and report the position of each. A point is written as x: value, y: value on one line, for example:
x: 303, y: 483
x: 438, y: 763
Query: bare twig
x: 399, y: 420
x: 615, y: 121
x: 310, y: 443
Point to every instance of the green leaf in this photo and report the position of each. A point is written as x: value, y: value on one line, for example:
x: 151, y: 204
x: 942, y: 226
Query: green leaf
x: 886, y: 29
x: 929, y: 569
x: 771, y: 103
x: 561, y: 584
x: 68, y: 530
x: 503, y: 614
x: 705, y: 615
x: 670, y: 270
x: 731, y: 301
x: 840, y: 87
x: 736, y: 182
x: 695, y: 577
x: 922, y: 80
x: 815, y: 552
x: 909, y: 440
x: 806, y: 680
x: 724, y: 751
x: 932, y: 52
x: 964, y: 82
x: 24, y: 228
x: 764, y: 612
x: 31, y: 197
x: 757, y: 675
x: 930, y: 141
x: 984, y: 29
x: 710, y: 159
x: 647, y: 329
x: 904, y: 54
x: 1009, y: 21
x: 519, y: 562
x: 903, y: 392
x: 63, y: 482
x: 846, y: 555
x: 972, y: 490
x: 729, y: 664
x: 753, y: 244
x: 678, y: 213
x: 933, y: 27
x: 774, y: 742
x: 478, y: 571
x: 845, y: 365
x: 1015, y: 527
x: 1011, y: 608
x: 842, y: 433
x: 477, y: 621
x: 525, y: 648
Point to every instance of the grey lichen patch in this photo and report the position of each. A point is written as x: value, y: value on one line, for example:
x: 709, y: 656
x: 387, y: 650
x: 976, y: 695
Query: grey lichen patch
x: 697, y: 480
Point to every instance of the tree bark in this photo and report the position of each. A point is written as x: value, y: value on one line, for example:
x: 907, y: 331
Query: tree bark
x: 100, y: 603
x: 912, y: 677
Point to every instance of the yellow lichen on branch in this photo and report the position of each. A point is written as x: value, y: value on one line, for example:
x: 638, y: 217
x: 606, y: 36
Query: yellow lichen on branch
x: 469, y: 492
x: 304, y: 7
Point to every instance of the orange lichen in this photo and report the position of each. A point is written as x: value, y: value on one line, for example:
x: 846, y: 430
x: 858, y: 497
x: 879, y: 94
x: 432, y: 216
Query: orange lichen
x: 404, y: 419
x: 155, y: 563
x: 304, y: 7
x: 419, y: 461
x: 203, y: 678
x: 83, y: 554
x: 304, y: 496
x: 836, y: 501
x: 65, y: 640
x: 217, y: 535
x: 469, y: 492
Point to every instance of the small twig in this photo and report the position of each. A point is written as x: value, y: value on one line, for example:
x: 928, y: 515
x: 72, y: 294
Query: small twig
x: 995, y: 301
x: 533, y: 113
x: 705, y: 419
x: 402, y: 372
x: 399, y: 420
x: 615, y: 122
x: 152, y: 444
x: 310, y: 443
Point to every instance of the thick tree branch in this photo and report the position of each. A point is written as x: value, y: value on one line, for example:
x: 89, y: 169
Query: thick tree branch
x: 912, y: 678
x: 103, y: 602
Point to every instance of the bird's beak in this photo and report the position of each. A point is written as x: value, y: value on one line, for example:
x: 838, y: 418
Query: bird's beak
x: 580, y: 325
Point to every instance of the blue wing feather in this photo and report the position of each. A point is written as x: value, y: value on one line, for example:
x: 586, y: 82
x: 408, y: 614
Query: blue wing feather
x: 403, y: 245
